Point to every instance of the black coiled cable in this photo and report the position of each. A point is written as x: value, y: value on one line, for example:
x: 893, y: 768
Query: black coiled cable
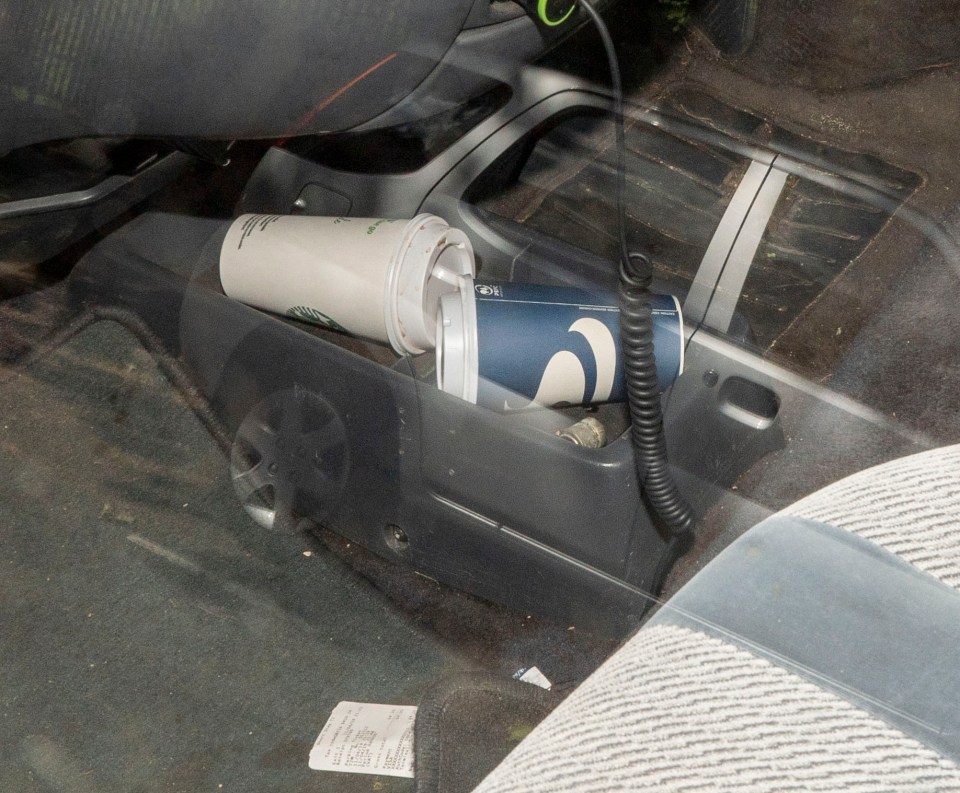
x: 643, y: 395
x: 636, y: 339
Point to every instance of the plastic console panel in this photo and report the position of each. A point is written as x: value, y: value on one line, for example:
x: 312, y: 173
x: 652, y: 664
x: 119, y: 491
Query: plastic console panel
x: 500, y: 507
x: 713, y: 432
x: 493, y: 504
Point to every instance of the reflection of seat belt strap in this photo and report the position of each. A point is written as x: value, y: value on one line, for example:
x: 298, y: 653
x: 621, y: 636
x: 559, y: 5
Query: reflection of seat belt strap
x: 719, y: 280
x: 730, y: 286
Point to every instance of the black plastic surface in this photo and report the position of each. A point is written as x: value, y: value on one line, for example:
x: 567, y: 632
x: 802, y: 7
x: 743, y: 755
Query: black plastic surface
x: 49, y: 205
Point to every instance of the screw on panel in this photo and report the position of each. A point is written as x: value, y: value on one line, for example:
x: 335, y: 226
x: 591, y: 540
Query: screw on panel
x: 396, y: 538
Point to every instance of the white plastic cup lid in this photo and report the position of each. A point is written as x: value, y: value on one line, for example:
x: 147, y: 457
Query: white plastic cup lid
x: 431, y: 261
x: 456, y: 339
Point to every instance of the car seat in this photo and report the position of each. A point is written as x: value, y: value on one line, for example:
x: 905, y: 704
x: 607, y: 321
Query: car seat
x: 242, y: 69
x: 818, y: 652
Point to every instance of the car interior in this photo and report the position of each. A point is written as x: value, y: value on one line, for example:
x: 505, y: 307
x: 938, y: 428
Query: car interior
x: 644, y: 481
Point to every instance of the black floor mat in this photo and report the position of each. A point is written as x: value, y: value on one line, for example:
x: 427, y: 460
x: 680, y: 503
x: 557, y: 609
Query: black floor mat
x: 831, y: 45
x: 677, y: 190
x: 153, y: 638
x: 883, y: 331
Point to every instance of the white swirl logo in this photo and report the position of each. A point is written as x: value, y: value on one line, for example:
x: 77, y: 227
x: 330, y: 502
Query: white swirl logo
x: 564, y: 376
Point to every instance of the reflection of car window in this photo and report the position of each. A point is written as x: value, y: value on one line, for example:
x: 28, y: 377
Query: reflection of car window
x: 329, y: 405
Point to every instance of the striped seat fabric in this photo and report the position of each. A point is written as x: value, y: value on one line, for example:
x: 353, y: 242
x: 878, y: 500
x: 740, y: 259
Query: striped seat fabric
x: 817, y: 653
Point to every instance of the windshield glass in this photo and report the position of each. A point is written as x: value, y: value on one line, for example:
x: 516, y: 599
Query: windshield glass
x: 371, y: 375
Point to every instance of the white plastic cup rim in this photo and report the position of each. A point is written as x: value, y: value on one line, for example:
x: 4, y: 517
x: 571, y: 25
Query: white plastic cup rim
x: 432, y: 259
x: 457, y: 356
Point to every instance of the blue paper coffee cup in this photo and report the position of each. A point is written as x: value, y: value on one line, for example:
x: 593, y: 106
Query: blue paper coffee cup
x: 506, y: 346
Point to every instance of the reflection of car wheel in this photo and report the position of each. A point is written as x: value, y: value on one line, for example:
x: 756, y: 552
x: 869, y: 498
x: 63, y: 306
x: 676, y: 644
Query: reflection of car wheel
x: 289, y: 459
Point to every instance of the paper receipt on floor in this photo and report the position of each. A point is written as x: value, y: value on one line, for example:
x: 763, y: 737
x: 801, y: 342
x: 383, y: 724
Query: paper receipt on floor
x: 366, y: 738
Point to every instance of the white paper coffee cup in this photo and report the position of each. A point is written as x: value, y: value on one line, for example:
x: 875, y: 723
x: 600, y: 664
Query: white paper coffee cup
x: 372, y: 277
